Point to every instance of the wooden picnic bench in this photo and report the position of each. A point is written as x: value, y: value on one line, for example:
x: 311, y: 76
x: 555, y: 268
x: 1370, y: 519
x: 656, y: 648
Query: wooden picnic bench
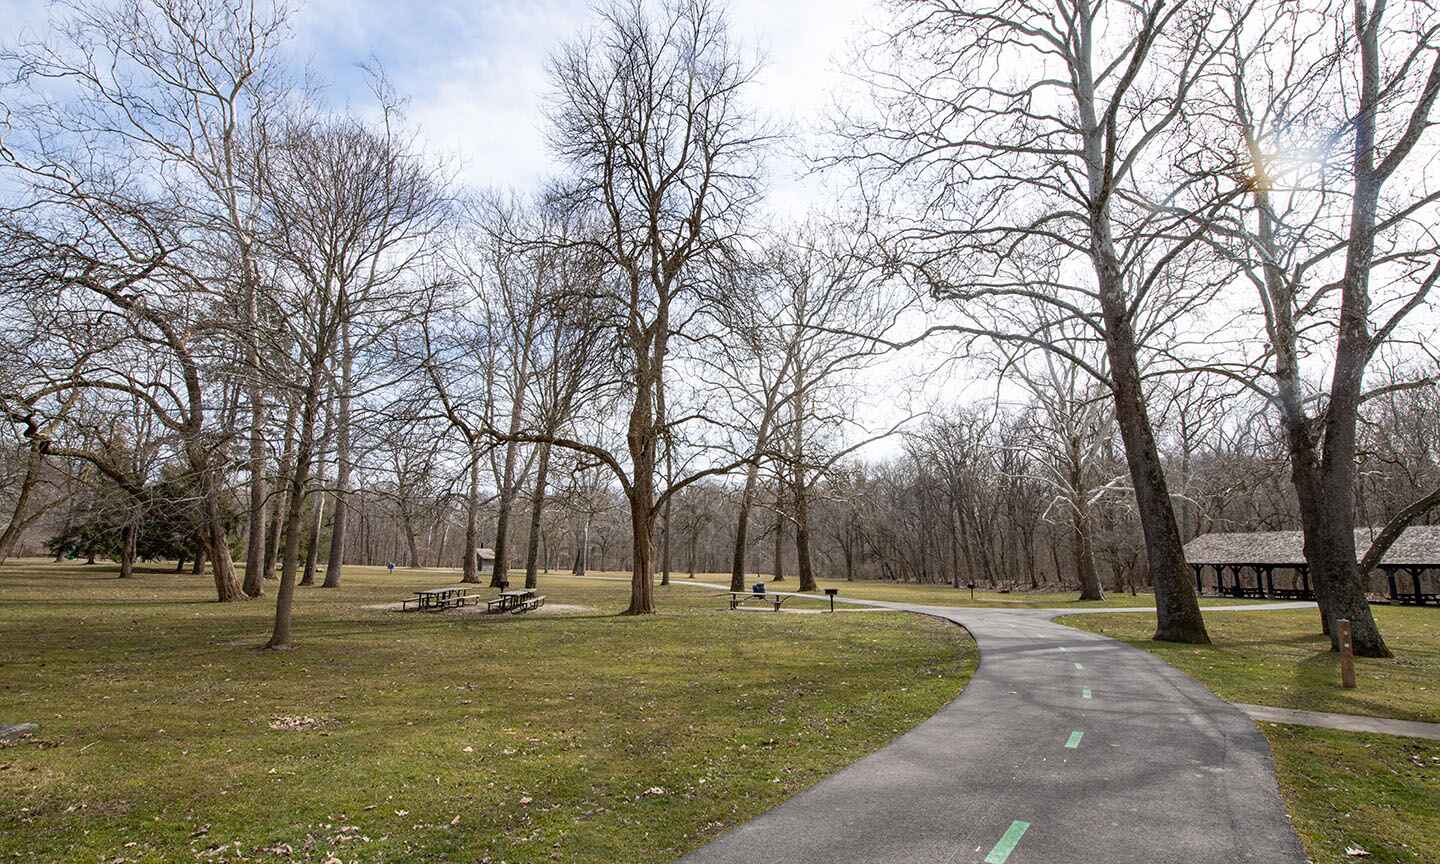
x: 436, y: 599
x: 515, y: 602
x: 529, y: 604
x: 738, y: 598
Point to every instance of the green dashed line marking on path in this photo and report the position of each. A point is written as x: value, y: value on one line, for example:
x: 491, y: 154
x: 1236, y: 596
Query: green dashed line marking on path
x: 1007, y: 843
x: 1085, y: 691
x: 1074, y: 741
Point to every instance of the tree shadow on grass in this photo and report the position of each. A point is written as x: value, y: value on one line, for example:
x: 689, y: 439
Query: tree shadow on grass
x: 1225, y: 642
x: 1316, y: 687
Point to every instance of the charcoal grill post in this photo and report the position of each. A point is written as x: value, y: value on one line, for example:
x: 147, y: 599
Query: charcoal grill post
x: 1347, y: 655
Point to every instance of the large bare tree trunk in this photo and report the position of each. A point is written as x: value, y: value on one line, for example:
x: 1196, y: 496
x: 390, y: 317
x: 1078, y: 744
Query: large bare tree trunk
x: 1323, y: 472
x: 255, y: 535
x: 20, y: 518
x: 412, y: 546
x: 742, y: 528
x: 1177, y: 610
x: 299, y: 480
x: 282, y: 485
x: 312, y: 541
x: 537, y: 515
x: 1083, y: 543
x: 335, y: 563
x: 582, y: 551
x: 504, y: 504
x: 779, y: 574
x: 127, y: 549
x: 665, y: 543
x: 469, y: 568
x: 227, y: 585
x: 1330, y: 534
x: 1090, y: 586
x: 508, y: 484
x: 641, y: 441
x: 804, y: 566
x: 801, y: 494
x: 312, y: 536
x: 642, y: 574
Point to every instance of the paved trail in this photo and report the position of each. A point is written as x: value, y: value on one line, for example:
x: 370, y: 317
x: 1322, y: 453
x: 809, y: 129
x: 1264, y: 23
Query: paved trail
x: 1066, y: 748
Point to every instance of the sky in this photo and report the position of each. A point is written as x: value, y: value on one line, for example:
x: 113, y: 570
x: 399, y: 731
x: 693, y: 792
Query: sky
x: 475, y: 72
x: 475, y: 77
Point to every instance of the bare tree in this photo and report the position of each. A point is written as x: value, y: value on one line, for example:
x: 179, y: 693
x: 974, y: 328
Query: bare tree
x: 1021, y: 133
x: 647, y: 115
x: 1070, y: 422
x: 105, y: 254
x: 1333, y: 103
x: 36, y: 431
x: 572, y: 360
x: 188, y: 86
x: 758, y: 358
x: 348, y: 208
x: 827, y: 295
x: 386, y: 292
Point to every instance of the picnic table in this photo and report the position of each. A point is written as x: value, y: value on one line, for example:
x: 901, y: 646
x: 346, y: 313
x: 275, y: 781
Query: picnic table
x: 738, y: 598
x: 436, y: 599
x: 515, y: 602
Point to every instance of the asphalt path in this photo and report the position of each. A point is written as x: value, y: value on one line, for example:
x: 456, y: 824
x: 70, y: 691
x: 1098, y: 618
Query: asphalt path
x: 1065, y: 748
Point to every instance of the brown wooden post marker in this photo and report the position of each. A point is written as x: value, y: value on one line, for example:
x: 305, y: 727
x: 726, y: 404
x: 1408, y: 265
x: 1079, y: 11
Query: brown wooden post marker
x: 1347, y: 654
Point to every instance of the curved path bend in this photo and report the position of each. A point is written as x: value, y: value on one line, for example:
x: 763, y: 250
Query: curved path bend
x: 1066, y: 748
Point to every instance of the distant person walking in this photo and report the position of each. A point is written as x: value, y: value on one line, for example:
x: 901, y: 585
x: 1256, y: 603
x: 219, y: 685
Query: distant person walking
x: 390, y: 565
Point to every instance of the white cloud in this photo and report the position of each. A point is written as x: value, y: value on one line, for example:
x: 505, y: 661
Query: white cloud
x: 475, y: 73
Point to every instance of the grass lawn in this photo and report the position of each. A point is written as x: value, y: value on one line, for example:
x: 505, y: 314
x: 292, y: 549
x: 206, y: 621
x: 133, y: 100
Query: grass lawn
x: 944, y: 595
x: 576, y: 736
x: 1374, y: 792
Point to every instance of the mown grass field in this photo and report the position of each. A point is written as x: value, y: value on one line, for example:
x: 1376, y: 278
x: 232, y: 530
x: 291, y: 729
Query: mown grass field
x: 1376, y: 793
x: 579, y: 737
x: 944, y: 595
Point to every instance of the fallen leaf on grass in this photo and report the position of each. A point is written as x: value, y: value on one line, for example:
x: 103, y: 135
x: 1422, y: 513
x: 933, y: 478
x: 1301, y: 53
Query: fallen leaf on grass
x: 278, y: 849
x: 1356, y: 852
x: 299, y: 724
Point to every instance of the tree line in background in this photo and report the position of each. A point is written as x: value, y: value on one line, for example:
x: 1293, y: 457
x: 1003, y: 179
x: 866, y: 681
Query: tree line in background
x: 1191, y: 241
